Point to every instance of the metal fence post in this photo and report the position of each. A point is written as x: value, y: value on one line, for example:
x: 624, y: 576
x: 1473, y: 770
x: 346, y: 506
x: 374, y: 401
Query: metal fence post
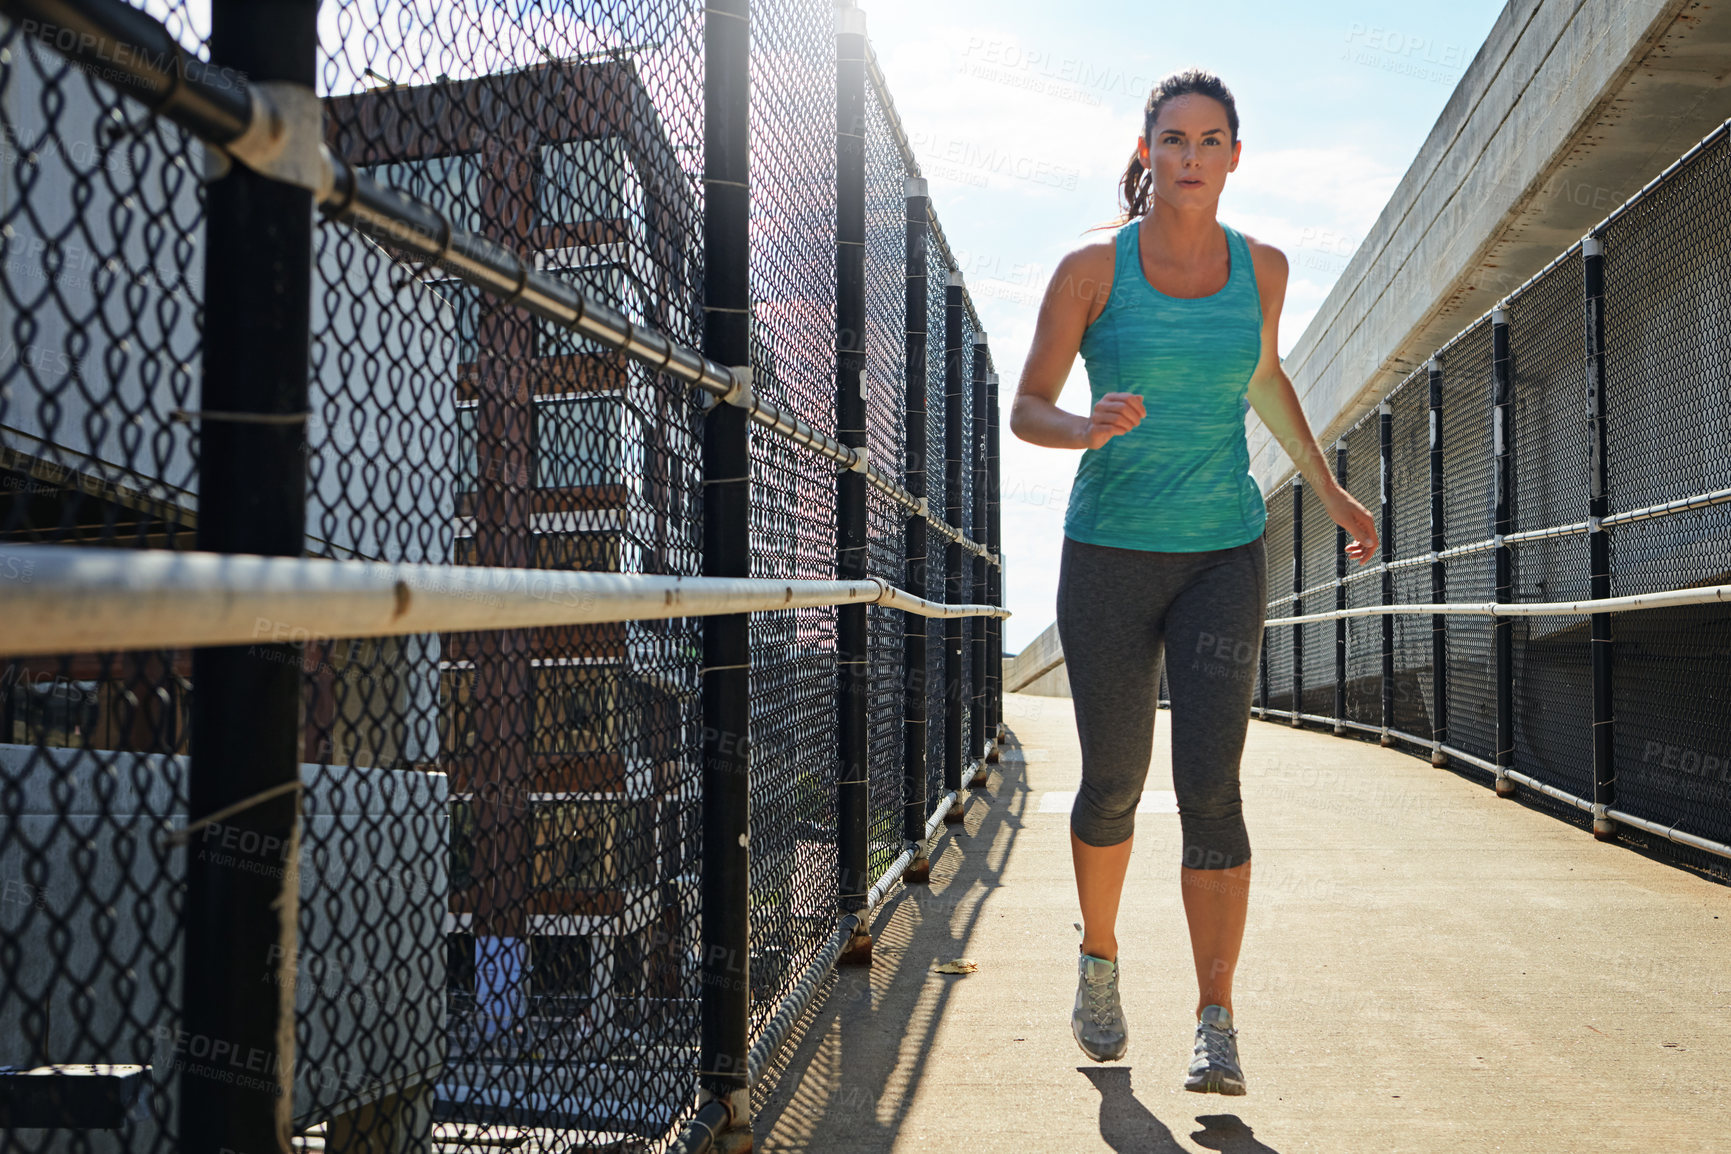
x: 1385, y: 452
x: 726, y: 766
x: 1340, y: 599
x: 1297, y: 600
x: 1502, y: 523
x: 953, y: 577
x: 853, y: 795
x: 995, y: 573
x: 915, y: 691
x: 1262, y: 675
x: 1340, y: 543
x: 1438, y: 578
x: 1599, y: 541
x: 977, y: 584
x: 240, y: 916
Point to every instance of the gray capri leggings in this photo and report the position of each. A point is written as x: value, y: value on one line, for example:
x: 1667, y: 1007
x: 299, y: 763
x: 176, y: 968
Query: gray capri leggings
x: 1119, y: 612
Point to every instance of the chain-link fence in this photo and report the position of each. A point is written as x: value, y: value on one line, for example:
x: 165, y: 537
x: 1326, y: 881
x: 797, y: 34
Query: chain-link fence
x: 1568, y: 447
x: 351, y: 887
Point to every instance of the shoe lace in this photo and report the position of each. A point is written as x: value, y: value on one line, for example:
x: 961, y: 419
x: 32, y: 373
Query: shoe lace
x: 1215, y: 1044
x: 1100, y: 1000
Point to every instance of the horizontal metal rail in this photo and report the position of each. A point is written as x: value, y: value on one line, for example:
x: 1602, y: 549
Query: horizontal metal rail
x: 1705, y: 595
x: 277, y: 130
x: 67, y: 599
x: 1630, y: 516
x: 1668, y: 832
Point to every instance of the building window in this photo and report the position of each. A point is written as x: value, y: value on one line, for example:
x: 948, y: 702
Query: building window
x: 457, y: 710
x: 591, y: 846
x: 580, y: 709
x: 588, y: 182
x: 559, y: 967
x: 462, y: 845
x: 451, y: 184
x: 579, y: 441
x: 460, y: 964
x: 466, y: 459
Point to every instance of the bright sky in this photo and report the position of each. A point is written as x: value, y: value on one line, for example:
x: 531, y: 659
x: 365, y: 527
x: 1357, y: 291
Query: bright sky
x: 1024, y: 112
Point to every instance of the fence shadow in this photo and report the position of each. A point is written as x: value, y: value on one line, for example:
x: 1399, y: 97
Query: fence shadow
x: 860, y: 1054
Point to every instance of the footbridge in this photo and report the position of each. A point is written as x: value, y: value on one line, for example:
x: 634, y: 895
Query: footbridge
x: 503, y: 595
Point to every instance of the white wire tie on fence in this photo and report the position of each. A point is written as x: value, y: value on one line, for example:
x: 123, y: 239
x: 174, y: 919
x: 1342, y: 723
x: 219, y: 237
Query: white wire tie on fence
x: 724, y: 480
x: 721, y: 668
x: 187, y: 416
x: 182, y: 836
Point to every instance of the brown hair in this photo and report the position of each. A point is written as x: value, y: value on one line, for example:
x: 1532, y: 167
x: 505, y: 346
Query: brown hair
x: 1136, y: 189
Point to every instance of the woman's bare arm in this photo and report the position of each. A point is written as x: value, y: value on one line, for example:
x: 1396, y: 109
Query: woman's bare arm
x: 1081, y: 282
x: 1276, y: 402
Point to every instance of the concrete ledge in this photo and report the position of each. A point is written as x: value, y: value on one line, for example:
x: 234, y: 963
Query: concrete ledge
x: 1025, y: 672
x: 1568, y: 109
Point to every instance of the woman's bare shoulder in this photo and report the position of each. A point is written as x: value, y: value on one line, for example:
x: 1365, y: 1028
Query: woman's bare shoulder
x: 1272, y: 271
x: 1086, y: 271
x: 1270, y: 261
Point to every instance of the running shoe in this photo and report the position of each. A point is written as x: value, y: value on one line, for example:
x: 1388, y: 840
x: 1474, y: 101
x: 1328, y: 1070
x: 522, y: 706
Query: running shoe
x: 1214, y: 1069
x: 1098, y: 1019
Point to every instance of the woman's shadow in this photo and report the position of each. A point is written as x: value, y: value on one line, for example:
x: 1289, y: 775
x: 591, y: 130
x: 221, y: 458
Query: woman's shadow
x: 1129, y: 1127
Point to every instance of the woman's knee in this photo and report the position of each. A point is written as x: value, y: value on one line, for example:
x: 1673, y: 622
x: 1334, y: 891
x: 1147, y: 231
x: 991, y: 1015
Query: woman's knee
x: 1212, y: 820
x: 1104, y: 816
x: 1219, y: 843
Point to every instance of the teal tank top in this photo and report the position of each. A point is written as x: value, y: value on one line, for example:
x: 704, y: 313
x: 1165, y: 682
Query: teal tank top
x: 1180, y: 481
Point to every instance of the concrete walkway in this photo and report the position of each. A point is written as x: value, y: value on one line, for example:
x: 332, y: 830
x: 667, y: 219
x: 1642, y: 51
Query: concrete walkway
x: 1426, y: 968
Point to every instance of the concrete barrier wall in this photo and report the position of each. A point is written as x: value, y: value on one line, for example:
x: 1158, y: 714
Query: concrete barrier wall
x: 1031, y: 670
x: 1053, y: 684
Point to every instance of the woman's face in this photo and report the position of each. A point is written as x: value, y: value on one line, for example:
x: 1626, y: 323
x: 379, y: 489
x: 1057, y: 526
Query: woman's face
x: 1191, y: 151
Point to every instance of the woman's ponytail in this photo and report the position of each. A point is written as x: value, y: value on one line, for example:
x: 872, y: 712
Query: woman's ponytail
x: 1135, y: 188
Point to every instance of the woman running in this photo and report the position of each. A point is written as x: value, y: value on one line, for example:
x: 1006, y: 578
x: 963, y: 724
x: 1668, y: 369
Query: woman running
x: 1177, y: 321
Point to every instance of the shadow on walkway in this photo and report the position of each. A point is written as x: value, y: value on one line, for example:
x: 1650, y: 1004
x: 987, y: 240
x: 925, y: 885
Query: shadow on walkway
x: 871, y: 1030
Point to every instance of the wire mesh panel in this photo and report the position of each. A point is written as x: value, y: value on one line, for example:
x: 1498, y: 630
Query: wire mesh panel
x: 498, y: 868
x: 937, y: 273
x: 1364, y: 634
x: 1320, y: 550
x: 1668, y: 342
x: 886, y: 404
x: 1552, y: 658
x: 961, y: 695
x: 544, y: 976
x: 101, y: 291
x: 1278, y: 640
x: 793, y: 868
x: 1468, y: 465
x: 1410, y: 465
